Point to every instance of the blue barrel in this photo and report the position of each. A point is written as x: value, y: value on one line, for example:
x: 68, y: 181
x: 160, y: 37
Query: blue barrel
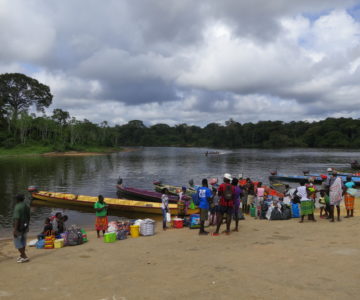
x: 295, y: 210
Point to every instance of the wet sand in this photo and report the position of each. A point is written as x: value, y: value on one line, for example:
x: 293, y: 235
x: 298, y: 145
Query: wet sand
x: 264, y: 260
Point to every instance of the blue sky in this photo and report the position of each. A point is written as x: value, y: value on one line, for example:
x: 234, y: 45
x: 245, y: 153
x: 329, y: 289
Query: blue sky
x: 188, y: 62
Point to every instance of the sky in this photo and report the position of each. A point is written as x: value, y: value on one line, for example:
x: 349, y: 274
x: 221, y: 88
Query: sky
x: 182, y: 61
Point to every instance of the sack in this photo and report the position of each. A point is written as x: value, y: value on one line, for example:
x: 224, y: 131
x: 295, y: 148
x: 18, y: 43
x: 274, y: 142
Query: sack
x: 228, y: 194
x: 276, y: 214
x: 286, y: 213
x: 121, y: 235
x: 73, y: 237
x: 195, y: 221
x: 196, y: 198
x: 168, y: 217
x: 40, y: 244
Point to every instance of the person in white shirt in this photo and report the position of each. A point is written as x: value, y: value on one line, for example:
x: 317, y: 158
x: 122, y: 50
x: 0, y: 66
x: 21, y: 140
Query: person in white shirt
x: 164, y: 205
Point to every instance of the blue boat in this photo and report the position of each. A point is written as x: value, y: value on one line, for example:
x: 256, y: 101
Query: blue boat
x: 318, y: 179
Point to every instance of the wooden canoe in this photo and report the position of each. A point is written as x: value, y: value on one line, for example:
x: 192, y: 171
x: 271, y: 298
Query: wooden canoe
x: 144, y: 207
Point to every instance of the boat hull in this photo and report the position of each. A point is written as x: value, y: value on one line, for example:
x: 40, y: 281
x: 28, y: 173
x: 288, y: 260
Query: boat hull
x: 145, y: 195
x: 125, y: 205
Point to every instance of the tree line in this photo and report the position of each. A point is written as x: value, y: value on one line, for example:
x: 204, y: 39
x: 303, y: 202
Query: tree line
x: 62, y: 132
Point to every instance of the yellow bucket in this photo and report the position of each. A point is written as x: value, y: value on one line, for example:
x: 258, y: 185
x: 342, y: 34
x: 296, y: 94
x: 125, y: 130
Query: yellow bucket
x: 134, y: 231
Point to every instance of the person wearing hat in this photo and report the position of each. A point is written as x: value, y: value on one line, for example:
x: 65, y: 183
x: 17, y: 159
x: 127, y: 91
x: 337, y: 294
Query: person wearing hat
x: 226, y: 193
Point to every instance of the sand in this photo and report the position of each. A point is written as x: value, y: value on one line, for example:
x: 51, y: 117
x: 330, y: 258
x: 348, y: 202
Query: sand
x: 264, y: 260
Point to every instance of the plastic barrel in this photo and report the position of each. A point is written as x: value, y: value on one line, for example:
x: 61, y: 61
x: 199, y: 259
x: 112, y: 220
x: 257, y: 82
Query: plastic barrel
x: 134, y: 231
x: 252, y: 211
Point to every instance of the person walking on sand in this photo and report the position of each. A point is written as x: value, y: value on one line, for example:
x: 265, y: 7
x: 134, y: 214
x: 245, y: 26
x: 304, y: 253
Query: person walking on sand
x: 336, y: 188
x: 204, y: 199
x: 306, y: 205
x: 226, y: 194
x: 250, y: 189
x: 349, y: 198
x: 164, y: 205
x: 21, y: 218
x: 259, y: 199
x: 101, y: 221
x: 237, y: 195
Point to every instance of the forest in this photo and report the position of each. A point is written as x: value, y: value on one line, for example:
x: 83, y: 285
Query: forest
x: 62, y: 132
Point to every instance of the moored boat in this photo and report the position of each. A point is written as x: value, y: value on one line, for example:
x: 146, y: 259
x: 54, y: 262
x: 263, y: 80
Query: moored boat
x: 146, y: 195
x: 174, y: 190
x: 317, y: 179
x: 114, y: 203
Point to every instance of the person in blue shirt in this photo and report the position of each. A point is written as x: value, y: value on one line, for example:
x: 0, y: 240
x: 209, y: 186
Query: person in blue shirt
x: 204, y: 198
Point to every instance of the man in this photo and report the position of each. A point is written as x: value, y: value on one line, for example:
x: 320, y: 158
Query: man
x: 21, y: 219
x: 250, y: 190
x: 205, y: 196
x: 226, y: 194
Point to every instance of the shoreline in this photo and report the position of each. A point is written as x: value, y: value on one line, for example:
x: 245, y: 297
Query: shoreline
x: 264, y: 260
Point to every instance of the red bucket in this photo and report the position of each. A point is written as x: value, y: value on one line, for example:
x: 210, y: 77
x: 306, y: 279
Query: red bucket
x: 178, y: 223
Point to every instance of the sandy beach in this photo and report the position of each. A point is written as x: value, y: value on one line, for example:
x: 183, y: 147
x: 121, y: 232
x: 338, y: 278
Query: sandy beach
x: 264, y: 260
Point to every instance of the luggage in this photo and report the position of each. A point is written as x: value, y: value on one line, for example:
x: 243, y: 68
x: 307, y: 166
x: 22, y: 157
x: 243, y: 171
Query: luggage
x: 121, y: 235
x: 194, y: 221
x: 147, y: 227
x: 295, y: 210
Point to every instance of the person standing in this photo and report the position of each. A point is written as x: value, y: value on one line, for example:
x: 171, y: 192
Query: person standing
x: 21, y: 218
x: 250, y: 188
x: 226, y: 194
x: 259, y: 199
x: 101, y: 221
x: 164, y: 205
x: 204, y: 199
x: 335, y: 188
x: 306, y: 205
x: 349, y: 198
x: 237, y: 195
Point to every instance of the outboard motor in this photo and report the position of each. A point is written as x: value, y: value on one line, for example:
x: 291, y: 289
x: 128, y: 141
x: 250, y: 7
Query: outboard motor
x: 120, y: 181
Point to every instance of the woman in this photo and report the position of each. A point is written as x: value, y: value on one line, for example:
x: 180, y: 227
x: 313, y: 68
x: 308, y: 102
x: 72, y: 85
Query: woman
x: 306, y: 205
x: 101, y: 222
x: 165, y: 205
x: 349, y: 198
x: 259, y: 200
x: 335, y: 193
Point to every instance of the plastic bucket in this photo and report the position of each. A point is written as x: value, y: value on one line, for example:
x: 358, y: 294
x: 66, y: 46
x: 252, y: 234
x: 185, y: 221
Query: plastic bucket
x: 178, y: 223
x: 134, y: 231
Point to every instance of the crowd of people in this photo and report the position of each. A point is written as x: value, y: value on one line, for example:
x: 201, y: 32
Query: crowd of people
x: 218, y: 205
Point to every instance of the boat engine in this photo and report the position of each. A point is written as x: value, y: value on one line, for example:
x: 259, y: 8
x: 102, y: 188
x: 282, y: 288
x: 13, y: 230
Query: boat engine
x: 120, y: 181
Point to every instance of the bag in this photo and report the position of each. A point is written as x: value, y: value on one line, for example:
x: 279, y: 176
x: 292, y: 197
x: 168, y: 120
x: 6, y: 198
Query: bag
x: 168, y: 217
x: 286, y: 213
x: 194, y: 221
x: 276, y: 214
x: 40, y: 244
x: 73, y: 237
x: 295, y: 210
x: 196, y: 198
x: 121, y: 235
x: 228, y: 194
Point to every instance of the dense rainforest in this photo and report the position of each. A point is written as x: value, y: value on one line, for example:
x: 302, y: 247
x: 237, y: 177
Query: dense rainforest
x: 61, y: 132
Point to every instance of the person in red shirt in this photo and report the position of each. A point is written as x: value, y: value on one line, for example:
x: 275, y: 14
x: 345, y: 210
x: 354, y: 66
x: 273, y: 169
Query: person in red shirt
x: 226, y: 205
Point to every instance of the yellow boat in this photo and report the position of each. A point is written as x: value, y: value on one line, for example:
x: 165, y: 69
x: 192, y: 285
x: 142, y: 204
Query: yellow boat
x: 114, y: 203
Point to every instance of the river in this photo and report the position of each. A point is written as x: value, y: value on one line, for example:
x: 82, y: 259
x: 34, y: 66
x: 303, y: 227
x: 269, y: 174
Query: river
x: 93, y: 175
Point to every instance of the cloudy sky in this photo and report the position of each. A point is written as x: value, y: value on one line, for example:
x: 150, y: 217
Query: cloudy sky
x: 182, y: 61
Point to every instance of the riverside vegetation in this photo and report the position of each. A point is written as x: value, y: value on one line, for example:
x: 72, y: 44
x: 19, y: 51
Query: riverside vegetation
x: 24, y: 132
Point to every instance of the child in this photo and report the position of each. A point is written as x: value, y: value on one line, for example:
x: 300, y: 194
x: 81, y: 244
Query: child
x: 48, y: 229
x: 61, y: 226
x: 322, y: 204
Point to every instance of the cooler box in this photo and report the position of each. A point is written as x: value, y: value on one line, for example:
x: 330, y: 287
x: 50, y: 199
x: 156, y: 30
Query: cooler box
x: 134, y: 231
x: 59, y: 243
x: 178, y: 223
x: 110, y: 237
x: 195, y: 221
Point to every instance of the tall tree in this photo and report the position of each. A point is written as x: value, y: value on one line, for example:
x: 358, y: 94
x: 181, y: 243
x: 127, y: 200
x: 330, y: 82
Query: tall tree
x: 19, y: 92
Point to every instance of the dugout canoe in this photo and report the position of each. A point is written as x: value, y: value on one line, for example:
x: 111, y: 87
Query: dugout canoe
x: 125, y: 205
x: 174, y: 190
x: 150, y: 196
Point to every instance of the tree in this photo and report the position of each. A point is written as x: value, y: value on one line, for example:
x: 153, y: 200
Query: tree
x: 19, y: 92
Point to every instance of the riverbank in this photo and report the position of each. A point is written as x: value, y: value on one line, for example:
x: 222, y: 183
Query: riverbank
x: 264, y: 260
x: 48, y: 151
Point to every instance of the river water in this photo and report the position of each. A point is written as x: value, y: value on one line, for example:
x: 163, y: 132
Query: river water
x: 93, y: 175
